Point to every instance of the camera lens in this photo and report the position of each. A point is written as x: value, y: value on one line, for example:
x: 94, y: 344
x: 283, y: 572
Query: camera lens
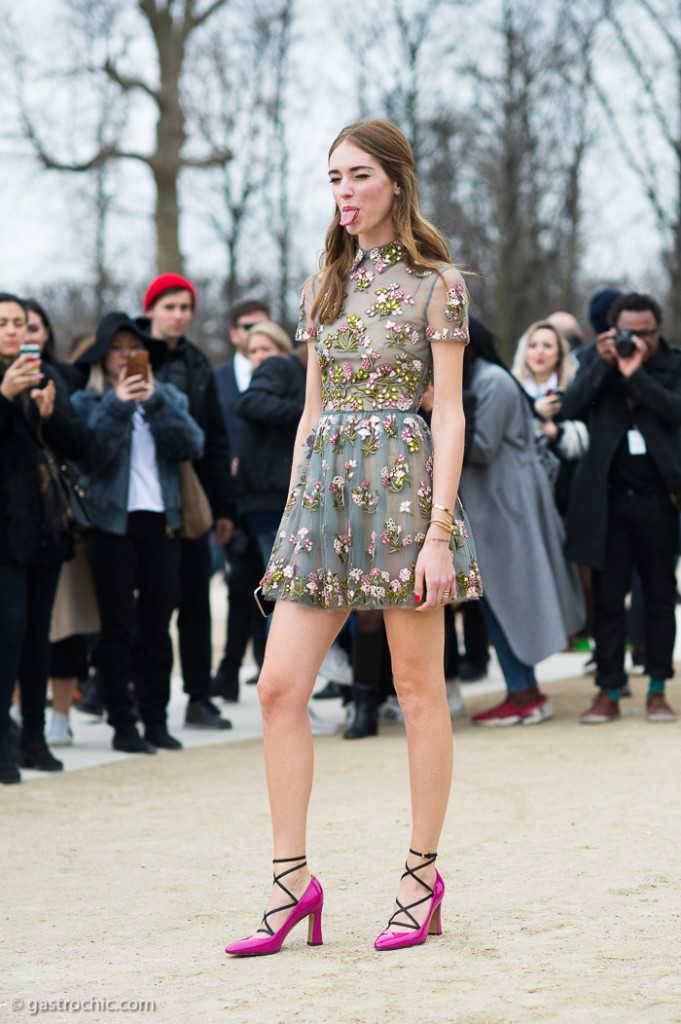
x: 624, y: 344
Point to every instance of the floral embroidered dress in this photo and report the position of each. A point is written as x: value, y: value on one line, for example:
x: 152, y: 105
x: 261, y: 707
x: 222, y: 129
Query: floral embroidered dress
x: 358, y: 513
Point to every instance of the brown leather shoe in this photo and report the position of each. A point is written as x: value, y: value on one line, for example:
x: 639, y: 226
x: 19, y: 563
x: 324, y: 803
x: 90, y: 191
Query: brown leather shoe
x: 603, y: 709
x: 657, y: 709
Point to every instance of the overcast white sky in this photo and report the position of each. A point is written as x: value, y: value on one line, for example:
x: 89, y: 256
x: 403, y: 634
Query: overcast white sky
x: 42, y: 241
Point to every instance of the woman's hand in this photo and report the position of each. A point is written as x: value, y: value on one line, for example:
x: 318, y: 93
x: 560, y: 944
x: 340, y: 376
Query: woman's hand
x: 20, y: 376
x: 134, y: 389
x: 44, y: 399
x: 547, y: 406
x: 435, y: 577
x: 550, y: 430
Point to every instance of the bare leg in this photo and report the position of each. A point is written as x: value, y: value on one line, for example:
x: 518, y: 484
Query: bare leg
x: 417, y: 650
x: 298, y: 641
x: 62, y: 694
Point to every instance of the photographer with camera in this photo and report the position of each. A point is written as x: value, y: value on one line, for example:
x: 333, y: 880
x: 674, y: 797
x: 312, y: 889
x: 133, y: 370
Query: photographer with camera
x: 623, y: 507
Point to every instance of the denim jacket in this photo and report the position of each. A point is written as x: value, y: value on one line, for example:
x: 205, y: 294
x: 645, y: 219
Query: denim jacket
x: 107, y: 467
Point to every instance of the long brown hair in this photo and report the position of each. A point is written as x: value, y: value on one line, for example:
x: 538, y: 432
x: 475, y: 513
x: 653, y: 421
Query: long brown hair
x: 425, y: 247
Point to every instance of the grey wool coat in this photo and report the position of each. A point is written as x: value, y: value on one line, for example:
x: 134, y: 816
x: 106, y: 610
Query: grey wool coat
x: 534, y: 593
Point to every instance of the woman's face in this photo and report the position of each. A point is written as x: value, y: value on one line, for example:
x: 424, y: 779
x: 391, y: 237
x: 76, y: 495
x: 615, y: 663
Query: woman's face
x: 543, y: 354
x: 260, y: 348
x: 364, y: 195
x: 36, y: 330
x: 12, y: 328
x: 116, y: 358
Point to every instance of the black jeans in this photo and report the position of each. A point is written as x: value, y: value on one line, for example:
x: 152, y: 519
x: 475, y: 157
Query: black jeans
x: 643, y: 532
x: 193, y: 621
x: 244, y: 572
x: 134, y: 640
x: 26, y: 599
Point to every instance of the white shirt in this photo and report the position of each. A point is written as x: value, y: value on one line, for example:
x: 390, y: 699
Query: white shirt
x: 243, y: 371
x: 536, y: 390
x: 144, y: 491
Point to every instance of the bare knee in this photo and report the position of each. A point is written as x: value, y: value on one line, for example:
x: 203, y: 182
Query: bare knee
x: 420, y: 694
x: 278, y: 694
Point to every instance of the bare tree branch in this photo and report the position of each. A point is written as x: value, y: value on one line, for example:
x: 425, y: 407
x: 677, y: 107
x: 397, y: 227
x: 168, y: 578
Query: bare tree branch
x: 663, y: 26
x: 640, y: 168
x: 646, y: 81
x: 126, y: 83
x: 198, y: 19
x: 217, y: 159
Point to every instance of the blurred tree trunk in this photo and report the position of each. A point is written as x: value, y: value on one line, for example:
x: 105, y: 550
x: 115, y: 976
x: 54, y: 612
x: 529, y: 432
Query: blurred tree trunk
x: 171, y: 26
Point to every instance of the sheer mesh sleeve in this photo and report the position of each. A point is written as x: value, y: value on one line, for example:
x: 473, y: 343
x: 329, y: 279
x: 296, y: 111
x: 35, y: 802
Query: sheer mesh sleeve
x: 307, y: 329
x: 447, y: 309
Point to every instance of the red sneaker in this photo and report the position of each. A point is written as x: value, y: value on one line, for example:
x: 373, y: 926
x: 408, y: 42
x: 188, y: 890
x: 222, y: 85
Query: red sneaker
x: 603, y: 709
x: 510, y: 713
x: 657, y: 709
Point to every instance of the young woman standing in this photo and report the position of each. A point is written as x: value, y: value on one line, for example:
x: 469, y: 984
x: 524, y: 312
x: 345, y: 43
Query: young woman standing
x: 373, y: 519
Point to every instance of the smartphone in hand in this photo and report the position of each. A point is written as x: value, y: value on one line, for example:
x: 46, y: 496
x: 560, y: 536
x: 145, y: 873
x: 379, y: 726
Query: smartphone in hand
x: 138, y: 363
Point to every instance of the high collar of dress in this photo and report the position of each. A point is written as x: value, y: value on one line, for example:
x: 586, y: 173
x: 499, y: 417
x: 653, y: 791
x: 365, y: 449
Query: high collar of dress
x: 382, y: 257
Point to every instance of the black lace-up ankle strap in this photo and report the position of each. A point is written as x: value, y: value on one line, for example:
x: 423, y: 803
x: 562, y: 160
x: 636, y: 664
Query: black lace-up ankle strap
x: 298, y: 863
x: 411, y: 922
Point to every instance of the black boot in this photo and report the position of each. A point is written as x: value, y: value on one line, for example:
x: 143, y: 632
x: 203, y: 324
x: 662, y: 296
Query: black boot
x: 367, y: 660
x: 8, y: 769
x: 34, y: 753
x: 365, y: 713
x: 91, y: 702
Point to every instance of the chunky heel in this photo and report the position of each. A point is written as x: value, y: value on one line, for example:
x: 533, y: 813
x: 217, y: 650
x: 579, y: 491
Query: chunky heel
x: 436, y: 921
x: 403, y: 918
x: 314, y: 928
x: 309, y: 905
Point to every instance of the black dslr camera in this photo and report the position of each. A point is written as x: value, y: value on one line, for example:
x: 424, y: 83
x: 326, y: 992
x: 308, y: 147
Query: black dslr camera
x: 625, y: 344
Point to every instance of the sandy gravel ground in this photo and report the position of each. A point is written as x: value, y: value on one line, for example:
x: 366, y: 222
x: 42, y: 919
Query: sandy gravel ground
x: 560, y: 856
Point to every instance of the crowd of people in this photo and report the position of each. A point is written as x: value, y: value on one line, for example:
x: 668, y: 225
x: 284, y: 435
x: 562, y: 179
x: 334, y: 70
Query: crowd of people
x: 571, y: 480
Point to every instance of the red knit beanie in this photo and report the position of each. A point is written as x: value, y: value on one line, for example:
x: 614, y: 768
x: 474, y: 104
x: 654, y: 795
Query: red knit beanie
x: 162, y: 284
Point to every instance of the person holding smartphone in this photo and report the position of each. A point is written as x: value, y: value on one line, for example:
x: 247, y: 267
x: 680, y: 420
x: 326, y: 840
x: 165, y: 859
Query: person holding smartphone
x: 34, y: 412
x: 543, y: 367
x: 139, y: 430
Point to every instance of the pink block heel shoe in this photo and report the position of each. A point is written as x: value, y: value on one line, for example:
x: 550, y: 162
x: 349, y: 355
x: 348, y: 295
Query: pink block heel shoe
x: 309, y: 905
x: 403, y: 917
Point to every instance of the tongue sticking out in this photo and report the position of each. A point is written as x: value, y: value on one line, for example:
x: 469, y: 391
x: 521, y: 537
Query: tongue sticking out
x: 348, y: 215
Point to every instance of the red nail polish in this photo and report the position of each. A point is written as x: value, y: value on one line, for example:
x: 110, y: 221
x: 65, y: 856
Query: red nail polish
x: 417, y: 598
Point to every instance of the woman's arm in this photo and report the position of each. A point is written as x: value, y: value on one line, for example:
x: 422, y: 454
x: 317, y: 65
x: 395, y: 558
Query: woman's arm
x: 447, y: 327
x: 434, y: 566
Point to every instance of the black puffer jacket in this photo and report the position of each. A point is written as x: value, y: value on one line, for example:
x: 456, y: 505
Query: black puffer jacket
x: 213, y: 468
x: 271, y: 407
x: 22, y: 530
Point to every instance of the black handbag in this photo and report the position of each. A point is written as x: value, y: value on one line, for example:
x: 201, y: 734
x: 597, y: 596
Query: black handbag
x: 63, y: 495
x: 81, y: 519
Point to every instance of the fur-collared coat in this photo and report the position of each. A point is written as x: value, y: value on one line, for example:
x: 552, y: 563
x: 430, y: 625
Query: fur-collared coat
x: 107, y: 468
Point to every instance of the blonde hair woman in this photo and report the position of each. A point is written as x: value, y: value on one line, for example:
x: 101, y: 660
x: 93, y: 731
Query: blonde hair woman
x: 267, y: 339
x: 542, y: 365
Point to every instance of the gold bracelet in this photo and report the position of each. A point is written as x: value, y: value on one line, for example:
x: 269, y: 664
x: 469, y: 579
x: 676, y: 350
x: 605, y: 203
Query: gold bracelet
x: 449, y: 527
x: 443, y: 508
